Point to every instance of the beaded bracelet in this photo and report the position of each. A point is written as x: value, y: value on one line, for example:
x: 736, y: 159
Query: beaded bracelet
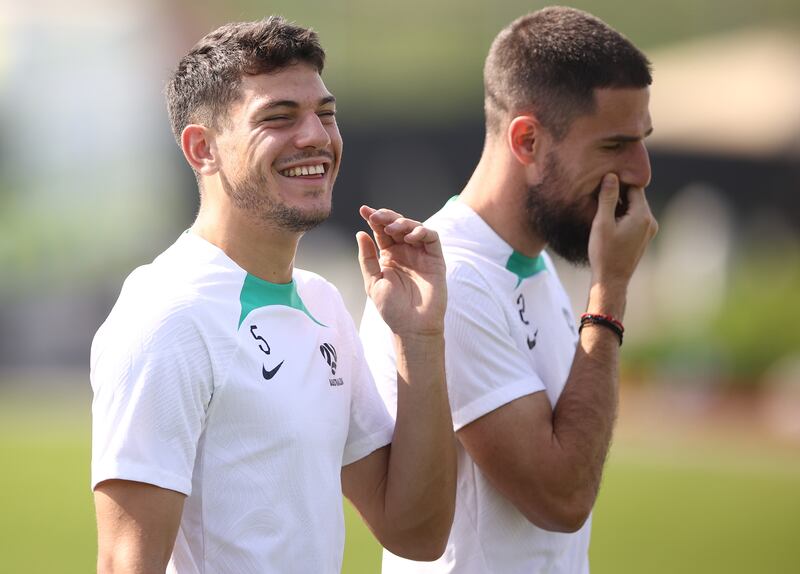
x: 605, y: 320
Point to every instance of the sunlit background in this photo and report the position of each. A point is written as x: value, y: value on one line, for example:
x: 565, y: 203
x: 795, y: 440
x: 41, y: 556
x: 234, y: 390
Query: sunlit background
x: 704, y: 475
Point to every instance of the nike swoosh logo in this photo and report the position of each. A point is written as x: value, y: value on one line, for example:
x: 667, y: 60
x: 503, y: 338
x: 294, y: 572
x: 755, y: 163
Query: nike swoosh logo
x: 532, y: 344
x: 269, y: 374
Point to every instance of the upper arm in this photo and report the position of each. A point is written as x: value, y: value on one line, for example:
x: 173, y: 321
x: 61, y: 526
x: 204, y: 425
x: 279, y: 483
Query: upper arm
x: 136, y: 526
x: 152, y: 383
x: 501, y: 410
x: 516, y: 450
x: 519, y: 452
x: 485, y: 367
x: 366, y: 457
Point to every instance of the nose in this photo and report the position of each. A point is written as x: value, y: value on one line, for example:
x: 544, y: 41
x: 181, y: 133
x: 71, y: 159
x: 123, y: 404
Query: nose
x: 312, y: 134
x: 636, y: 170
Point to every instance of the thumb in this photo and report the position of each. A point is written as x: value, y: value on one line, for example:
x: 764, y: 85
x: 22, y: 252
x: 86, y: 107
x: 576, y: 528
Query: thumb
x: 368, y: 260
x: 608, y: 198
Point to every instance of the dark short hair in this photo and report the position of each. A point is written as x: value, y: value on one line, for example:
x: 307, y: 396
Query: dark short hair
x: 208, y: 78
x: 550, y: 62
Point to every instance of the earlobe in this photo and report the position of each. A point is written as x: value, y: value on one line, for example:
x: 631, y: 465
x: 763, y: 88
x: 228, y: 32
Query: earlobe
x: 522, y: 138
x: 199, y: 148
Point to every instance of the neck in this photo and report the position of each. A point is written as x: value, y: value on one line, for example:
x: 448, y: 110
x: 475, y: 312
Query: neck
x: 265, y: 252
x: 497, y: 191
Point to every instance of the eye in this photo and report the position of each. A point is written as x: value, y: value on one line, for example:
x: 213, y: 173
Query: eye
x: 327, y: 116
x: 615, y: 146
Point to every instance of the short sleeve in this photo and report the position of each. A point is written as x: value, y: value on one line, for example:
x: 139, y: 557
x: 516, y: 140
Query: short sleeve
x: 485, y: 368
x: 152, y: 386
x: 378, y: 342
x: 371, y: 427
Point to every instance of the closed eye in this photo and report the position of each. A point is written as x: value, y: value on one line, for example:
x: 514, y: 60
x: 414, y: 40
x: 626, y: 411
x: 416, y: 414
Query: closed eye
x: 327, y: 116
x: 616, y: 146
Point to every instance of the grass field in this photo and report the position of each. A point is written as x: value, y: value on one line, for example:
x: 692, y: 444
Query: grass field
x: 687, y: 509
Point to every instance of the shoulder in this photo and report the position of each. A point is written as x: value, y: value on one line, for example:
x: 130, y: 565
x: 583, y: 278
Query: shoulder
x: 322, y: 299
x: 317, y: 291
x: 164, y: 290
x: 151, y: 313
x: 313, y: 283
x: 174, y: 297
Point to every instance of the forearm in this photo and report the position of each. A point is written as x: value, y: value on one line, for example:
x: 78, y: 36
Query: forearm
x: 584, y: 415
x: 420, y: 487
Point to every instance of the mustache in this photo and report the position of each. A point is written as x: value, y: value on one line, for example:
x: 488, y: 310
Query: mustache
x: 305, y: 155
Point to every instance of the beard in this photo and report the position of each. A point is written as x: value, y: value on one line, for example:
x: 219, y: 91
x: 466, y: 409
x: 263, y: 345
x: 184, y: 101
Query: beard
x: 251, y: 195
x: 564, y: 227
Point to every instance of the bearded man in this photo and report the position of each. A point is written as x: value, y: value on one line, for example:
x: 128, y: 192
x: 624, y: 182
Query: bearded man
x: 533, y: 393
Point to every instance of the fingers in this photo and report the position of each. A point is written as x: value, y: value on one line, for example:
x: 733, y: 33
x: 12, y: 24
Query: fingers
x: 378, y: 219
x: 368, y: 260
x: 383, y: 216
x: 636, y: 199
x: 365, y: 211
x: 426, y: 237
x: 400, y: 228
x: 391, y: 228
x: 608, y: 198
x: 639, y: 210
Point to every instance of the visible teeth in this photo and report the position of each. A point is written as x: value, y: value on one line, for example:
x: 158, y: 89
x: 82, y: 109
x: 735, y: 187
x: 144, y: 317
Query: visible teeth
x: 303, y: 170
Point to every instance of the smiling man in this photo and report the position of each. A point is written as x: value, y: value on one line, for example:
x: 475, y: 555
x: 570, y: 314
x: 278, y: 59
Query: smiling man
x: 533, y: 394
x: 232, y: 402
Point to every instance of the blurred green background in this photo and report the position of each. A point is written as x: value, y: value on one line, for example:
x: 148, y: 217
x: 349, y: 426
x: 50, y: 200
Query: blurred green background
x: 693, y: 507
x: 704, y: 473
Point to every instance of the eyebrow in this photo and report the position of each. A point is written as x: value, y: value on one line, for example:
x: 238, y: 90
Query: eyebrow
x: 269, y: 105
x: 625, y: 139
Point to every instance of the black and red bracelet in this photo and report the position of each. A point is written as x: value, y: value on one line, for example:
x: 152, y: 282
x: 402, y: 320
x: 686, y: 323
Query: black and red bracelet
x: 605, y: 320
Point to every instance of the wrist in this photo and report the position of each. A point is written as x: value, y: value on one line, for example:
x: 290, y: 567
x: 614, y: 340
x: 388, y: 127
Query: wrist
x: 608, y: 299
x: 606, y: 321
x: 420, y: 339
x: 419, y: 347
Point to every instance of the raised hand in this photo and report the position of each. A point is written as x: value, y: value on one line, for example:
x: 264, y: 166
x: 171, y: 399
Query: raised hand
x: 406, y: 281
x: 617, y: 244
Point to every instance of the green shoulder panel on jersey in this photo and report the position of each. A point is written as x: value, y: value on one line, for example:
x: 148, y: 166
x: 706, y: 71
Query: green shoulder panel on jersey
x: 523, y: 266
x: 257, y: 293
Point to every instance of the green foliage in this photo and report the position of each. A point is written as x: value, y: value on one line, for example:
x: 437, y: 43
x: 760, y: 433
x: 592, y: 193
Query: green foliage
x: 758, y: 324
x: 754, y: 328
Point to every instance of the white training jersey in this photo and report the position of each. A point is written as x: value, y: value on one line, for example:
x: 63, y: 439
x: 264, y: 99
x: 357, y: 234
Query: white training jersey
x: 509, y: 332
x: 244, y: 395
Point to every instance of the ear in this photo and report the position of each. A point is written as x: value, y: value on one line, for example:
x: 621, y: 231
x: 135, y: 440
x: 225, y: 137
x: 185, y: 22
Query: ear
x: 200, y: 149
x: 523, y: 136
